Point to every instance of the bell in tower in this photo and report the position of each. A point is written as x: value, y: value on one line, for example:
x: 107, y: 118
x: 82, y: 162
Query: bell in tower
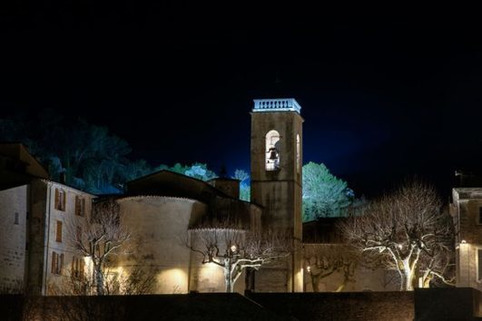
x: 272, y: 163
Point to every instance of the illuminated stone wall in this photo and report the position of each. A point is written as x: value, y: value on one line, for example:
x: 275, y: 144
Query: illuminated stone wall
x: 159, y: 225
x: 13, y: 238
x: 45, y: 211
x: 209, y: 277
x: 360, y: 278
x: 466, y: 203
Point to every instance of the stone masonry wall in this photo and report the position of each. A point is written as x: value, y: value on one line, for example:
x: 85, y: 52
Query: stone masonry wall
x: 13, y: 232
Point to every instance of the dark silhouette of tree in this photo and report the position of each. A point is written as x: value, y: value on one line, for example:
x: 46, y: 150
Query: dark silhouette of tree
x: 89, y: 157
x: 323, y: 260
x: 75, y: 152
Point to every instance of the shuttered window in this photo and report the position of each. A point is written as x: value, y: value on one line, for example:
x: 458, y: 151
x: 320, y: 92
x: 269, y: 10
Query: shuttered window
x: 79, y: 205
x: 57, y: 263
x: 59, y: 199
x: 479, y: 264
x: 58, y: 234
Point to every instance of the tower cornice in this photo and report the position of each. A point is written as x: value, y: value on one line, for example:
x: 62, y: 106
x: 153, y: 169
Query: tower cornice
x: 276, y: 104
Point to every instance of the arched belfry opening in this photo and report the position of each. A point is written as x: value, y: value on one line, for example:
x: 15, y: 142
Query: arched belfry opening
x: 272, y: 151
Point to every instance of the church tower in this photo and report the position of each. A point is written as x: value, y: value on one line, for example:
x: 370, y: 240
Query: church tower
x: 276, y: 165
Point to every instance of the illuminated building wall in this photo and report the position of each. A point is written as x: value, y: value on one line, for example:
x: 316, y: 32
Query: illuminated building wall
x: 466, y: 209
x: 13, y: 237
x: 159, y: 225
x: 56, y: 217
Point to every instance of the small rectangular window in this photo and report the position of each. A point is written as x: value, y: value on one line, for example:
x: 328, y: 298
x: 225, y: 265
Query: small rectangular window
x: 479, y: 264
x: 16, y: 219
x: 57, y: 263
x: 79, y: 205
x: 77, y: 269
x: 58, y: 234
x: 54, y: 263
x: 59, y: 199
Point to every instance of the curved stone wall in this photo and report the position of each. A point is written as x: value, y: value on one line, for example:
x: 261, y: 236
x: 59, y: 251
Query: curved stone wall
x: 159, y: 225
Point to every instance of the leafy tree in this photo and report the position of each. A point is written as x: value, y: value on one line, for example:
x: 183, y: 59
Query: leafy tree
x: 85, y: 156
x: 196, y: 170
x: 324, y: 195
x: 241, y: 175
x: 200, y: 171
x: 136, y: 169
x: 406, y: 231
x: 244, y: 186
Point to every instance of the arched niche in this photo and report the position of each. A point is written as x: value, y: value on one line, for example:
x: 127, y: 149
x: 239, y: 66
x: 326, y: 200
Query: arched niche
x: 272, y: 150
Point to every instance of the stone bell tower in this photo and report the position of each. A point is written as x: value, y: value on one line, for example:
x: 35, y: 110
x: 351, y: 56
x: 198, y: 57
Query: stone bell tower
x: 276, y: 165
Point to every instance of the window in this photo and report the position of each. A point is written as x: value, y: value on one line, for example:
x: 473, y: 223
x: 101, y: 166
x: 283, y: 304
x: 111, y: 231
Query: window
x: 77, y: 270
x: 58, y: 234
x: 298, y: 153
x: 57, y: 263
x: 272, y: 151
x: 78, y: 234
x: 15, y: 221
x: 59, y: 199
x: 479, y: 264
x: 79, y: 205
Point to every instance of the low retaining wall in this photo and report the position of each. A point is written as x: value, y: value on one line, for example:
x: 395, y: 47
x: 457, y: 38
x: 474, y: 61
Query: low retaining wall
x: 175, y: 307
x: 454, y: 304
x: 457, y: 304
x: 344, y: 306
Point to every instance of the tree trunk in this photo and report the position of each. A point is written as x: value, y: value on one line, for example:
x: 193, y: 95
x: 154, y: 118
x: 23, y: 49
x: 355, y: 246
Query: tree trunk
x: 99, y: 281
x: 408, y: 274
x: 227, y: 275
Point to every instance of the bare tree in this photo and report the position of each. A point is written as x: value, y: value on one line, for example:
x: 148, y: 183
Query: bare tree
x: 236, y: 250
x: 406, y: 231
x: 323, y: 260
x: 101, y: 238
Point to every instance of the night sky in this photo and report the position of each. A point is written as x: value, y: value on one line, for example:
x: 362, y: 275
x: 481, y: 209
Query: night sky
x: 383, y: 98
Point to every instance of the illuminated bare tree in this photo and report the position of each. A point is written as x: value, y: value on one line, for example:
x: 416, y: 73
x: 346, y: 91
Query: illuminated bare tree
x: 100, y: 238
x: 406, y: 231
x: 323, y: 260
x: 235, y: 250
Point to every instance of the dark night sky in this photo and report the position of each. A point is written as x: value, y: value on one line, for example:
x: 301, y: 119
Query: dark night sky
x: 382, y: 98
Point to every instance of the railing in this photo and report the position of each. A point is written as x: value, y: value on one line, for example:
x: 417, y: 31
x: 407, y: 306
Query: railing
x: 279, y: 104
